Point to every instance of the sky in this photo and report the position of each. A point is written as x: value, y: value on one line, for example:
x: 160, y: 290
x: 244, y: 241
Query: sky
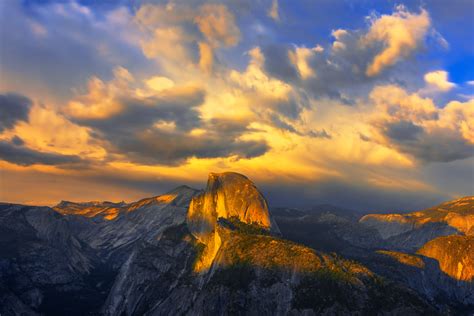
x: 361, y: 104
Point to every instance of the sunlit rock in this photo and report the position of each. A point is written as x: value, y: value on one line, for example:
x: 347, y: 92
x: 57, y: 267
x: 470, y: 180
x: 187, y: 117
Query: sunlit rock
x: 455, y: 255
x: 227, y: 195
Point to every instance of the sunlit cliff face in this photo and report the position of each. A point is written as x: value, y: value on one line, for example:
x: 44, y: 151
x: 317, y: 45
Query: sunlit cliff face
x: 113, y: 102
x: 227, y: 196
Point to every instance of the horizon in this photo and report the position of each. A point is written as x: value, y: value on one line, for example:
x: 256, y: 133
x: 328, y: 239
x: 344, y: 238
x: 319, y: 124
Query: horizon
x: 308, y: 205
x: 362, y: 105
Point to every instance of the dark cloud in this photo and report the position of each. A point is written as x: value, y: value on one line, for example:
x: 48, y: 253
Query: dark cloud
x: 277, y: 122
x: 320, y: 134
x: 438, y: 145
x: 13, y: 108
x: 139, y: 114
x: 403, y: 131
x: 15, y: 152
x: 172, y: 148
x: 277, y: 62
x: 339, y: 72
x: 16, y: 140
x: 292, y: 107
x: 133, y: 131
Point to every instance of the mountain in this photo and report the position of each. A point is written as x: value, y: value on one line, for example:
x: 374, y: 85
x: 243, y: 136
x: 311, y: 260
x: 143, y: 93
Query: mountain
x: 64, y: 259
x: 145, y: 219
x: 326, y: 228
x: 221, y: 251
x: 410, y: 231
x: 108, y: 210
x: 228, y: 259
x: 407, y: 248
x: 41, y: 260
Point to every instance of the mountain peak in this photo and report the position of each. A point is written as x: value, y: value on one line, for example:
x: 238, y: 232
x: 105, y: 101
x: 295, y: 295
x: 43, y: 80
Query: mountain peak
x: 227, y: 195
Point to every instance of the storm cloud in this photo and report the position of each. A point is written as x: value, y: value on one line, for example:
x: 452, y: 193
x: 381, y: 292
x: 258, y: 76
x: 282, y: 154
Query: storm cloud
x: 159, y: 130
x: 17, y: 153
x: 13, y: 108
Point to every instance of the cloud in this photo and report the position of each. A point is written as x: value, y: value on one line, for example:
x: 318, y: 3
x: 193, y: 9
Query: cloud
x: 159, y: 126
x: 273, y: 11
x: 339, y: 35
x: 13, y: 108
x: 159, y: 83
x: 353, y: 61
x: 300, y: 58
x: 273, y: 101
x: 439, y: 80
x: 182, y: 34
x: 217, y: 25
x: 16, y: 152
x: 402, y: 131
x: 414, y: 125
x: 100, y: 102
x: 400, y: 33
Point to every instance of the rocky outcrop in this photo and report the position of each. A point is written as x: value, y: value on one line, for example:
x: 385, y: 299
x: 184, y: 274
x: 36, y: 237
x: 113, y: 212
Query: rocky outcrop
x: 455, y: 255
x: 227, y: 260
x: 227, y: 195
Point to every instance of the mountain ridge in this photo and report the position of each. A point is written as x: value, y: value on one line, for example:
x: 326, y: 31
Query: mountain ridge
x: 211, y: 251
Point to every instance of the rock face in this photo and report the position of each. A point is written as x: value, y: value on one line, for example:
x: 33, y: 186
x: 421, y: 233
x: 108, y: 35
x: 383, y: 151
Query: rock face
x: 412, y: 230
x: 108, y: 210
x: 227, y: 195
x: 145, y: 219
x: 252, y: 273
x: 43, y: 262
x: 455, y: 255
x: 423, y: 275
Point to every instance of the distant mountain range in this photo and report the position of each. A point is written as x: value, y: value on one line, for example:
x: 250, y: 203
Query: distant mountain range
x: 221, y: 251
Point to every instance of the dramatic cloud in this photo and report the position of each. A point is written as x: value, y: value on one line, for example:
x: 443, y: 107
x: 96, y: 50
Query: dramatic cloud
x: 15, y: 152
x: 414, y: 125
x: 187, y: 35
x: 300, y: 57
x: 158, y: 126
x: 312, y: 95
x: 400, y: 33
x: 13, y: 108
